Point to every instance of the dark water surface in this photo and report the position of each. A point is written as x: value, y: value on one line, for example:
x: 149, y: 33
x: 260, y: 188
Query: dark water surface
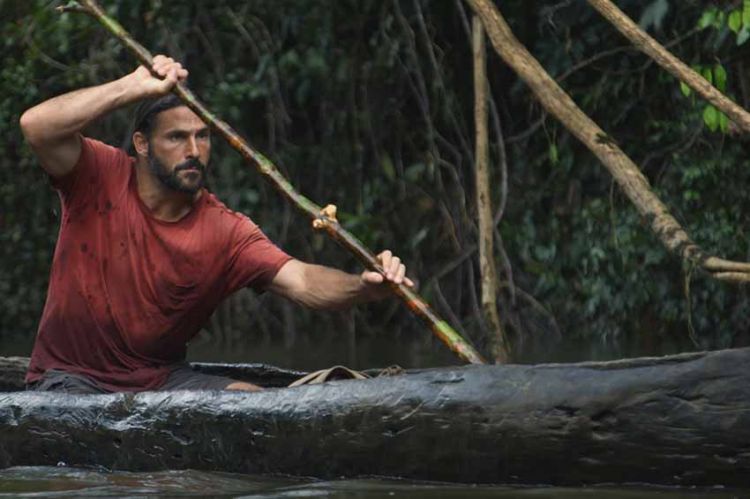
x: 76, y: 482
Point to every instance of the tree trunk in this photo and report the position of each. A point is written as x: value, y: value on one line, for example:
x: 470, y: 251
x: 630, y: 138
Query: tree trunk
x: 643, y: 42
x: 630, y: 179
x: 498, y: 342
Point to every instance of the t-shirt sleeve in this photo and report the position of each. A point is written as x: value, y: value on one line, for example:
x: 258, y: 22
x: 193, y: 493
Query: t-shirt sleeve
x: 255, y: 259
x: 86, y: 177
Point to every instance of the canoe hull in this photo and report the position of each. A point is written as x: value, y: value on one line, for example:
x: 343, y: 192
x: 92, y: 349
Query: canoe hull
x: 681, y: 420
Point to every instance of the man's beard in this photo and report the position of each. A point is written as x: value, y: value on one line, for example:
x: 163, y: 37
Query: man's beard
x: 172, y: 180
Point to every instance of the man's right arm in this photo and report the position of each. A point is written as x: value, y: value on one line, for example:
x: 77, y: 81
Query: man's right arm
x: 52, y: 127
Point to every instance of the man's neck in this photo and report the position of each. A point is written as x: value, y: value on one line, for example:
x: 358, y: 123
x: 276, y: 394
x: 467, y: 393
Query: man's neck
x: 164, y: 203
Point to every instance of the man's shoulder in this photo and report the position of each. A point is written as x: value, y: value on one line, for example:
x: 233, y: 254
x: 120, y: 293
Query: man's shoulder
x: 218, y: 213
x: 102, y: 151
x: 99, y: 166
x: 104, y: 159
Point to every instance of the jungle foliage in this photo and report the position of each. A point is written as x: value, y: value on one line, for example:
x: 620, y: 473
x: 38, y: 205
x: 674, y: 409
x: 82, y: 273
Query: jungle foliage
x: 368, y: 104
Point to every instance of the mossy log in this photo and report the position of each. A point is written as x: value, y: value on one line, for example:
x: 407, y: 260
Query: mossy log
x: 676, y: 420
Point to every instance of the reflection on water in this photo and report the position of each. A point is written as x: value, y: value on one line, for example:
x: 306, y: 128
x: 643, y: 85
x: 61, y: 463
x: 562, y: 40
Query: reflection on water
x: 76, y: 482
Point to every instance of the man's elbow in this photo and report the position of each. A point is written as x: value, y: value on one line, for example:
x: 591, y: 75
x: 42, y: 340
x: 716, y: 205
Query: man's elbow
x: 30, y: 126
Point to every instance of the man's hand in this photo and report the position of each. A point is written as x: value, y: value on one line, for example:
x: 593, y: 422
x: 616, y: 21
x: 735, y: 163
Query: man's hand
x: 395, y: 271
x: 169, y: 73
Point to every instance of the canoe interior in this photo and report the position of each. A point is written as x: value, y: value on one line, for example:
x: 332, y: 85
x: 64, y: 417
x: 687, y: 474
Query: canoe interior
x: 13, y: 371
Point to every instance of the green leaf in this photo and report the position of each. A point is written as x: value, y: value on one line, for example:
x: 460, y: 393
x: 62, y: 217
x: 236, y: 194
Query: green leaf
x: 711, y: 118
x: 554, y: 156
x: 743, y: 36
x: 388, y: 169
x: 735, y: 21
x: 708, y: 18
x: 720, y: 77
x: 720, y: 19
x: 746, y: 13
x: 685, y: 89
x: 723, y: 123
x: 708, y: 74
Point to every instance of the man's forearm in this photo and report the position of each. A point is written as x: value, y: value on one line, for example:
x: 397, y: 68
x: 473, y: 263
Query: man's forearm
x: 53, y: 126
x: 331, y: 289
x: 66, y: 115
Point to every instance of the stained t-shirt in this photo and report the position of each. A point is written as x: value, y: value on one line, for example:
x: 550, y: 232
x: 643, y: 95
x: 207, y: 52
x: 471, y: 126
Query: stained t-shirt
x: 128, y: 291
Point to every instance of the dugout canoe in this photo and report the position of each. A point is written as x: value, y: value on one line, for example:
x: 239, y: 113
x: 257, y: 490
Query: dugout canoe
x: 675, y: 420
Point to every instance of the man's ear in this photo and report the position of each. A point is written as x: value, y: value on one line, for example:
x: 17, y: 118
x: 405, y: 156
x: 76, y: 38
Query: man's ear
x: 140, y: 144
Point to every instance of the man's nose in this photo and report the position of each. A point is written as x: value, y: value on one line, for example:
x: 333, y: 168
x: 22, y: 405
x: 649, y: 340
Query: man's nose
x: 193, y: 151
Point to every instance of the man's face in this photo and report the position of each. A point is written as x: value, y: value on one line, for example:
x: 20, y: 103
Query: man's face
x: 179, y: 150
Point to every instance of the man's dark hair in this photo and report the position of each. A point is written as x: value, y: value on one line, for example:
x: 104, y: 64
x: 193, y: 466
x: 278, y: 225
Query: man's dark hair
x: 145, y: 117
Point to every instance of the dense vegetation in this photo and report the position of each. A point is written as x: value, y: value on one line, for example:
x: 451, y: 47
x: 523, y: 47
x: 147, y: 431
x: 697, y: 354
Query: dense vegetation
x: 368, y: 104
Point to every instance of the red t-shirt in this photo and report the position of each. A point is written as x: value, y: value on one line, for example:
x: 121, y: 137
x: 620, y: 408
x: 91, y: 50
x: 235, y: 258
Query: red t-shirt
x: 127, y: 291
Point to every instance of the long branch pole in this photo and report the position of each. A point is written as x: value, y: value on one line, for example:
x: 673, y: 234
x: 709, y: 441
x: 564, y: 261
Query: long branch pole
x: 323, y: 219
x: 633, y: 183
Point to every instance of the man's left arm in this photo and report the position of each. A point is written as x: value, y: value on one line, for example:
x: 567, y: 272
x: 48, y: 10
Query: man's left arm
x: 325, y: 288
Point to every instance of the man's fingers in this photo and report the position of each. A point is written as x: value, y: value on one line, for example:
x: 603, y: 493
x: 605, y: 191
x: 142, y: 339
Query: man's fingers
x: 165, y: 66
x: 160, y: 65
x: 161, y: 60
x: 393, y: 268
x: 385, y: 258
x: 372, y: 277
x: 400, y: 274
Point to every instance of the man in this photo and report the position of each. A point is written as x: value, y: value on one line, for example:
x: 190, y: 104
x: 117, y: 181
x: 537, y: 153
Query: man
x: 145, y: 253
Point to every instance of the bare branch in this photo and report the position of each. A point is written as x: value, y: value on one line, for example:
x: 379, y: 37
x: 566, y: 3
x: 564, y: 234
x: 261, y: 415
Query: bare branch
x: 641, y: 40
x: 498, y: 341
x: 630, y: 179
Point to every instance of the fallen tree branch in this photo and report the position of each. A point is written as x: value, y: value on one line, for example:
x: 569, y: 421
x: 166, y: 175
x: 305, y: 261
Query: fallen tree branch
x: 323, y: 219
x: 630, y: 179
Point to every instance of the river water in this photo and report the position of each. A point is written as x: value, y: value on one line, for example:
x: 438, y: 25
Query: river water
x: 76, y: 482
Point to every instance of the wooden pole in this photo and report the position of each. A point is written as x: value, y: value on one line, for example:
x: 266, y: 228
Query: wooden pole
x: 323, y: 219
